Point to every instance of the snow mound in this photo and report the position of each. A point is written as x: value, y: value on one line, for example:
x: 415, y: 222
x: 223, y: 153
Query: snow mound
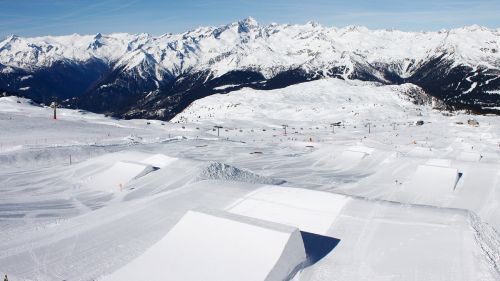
x: 159, y: 160
x: 439, y: 162
x: 118, y: 175
x: 420, y: 152
x: 469, y: 156
x: 204, y: 245
x: 360, y: 148
x: 220, y: 171
x: 310, y: 211
x: 434, y: 181
x: 340, y: 158
x: 350, y: 158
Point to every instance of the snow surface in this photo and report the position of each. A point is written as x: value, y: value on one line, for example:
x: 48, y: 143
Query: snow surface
x: 469, y: 156
x: 159, y: 160
x: 330, y: 100
x: 116, y: 177
x: 310, y: 211
x: 357, y: 187
x: 433, y: 181
x: 219, y: 246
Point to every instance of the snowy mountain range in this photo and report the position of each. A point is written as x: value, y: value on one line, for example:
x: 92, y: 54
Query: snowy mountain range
x: 144, y: 76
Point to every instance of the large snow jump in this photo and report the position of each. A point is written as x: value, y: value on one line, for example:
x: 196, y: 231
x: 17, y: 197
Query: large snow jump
x: 352, y: 156
x: 118, y: 175
x: 159, y: 160
x: 215, y: 245
x: 469, y: 156
x: 309, y: 210
x: 436, y: 177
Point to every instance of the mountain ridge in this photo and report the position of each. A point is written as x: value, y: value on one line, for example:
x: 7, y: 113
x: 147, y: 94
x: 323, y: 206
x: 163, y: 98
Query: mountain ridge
x: 157, y: 76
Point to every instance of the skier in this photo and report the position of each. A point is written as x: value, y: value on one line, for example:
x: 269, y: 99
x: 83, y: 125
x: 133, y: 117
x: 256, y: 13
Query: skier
x: 6, y: 279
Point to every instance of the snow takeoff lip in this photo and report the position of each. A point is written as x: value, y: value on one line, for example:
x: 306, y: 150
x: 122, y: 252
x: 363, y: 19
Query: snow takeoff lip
x: 204, y: 245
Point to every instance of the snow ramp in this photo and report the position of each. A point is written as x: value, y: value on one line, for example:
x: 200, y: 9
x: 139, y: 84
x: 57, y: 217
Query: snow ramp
x: 309, y: 210
x: 350, y: 158
x: 421, y: 152
x: 431, y: 184
x: 118, y: 175
x: 215, y: 245
x: 439, y: 162
x: 159, y: 160
x: 469, y: 156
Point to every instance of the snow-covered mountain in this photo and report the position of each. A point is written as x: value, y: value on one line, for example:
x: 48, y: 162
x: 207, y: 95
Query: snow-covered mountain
x: 157, y: 77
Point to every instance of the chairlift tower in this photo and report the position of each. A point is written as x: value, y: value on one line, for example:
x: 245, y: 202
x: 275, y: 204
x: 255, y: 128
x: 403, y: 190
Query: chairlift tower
x: 218, y: 127
x: 333, y: 127
x: 284, y: 127
x: 54, y: 104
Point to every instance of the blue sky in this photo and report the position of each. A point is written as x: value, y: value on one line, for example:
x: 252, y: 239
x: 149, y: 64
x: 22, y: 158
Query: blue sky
x: 57, y: 17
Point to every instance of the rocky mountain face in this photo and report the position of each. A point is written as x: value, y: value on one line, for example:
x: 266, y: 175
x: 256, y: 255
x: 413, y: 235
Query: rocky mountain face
x: 143, y: 76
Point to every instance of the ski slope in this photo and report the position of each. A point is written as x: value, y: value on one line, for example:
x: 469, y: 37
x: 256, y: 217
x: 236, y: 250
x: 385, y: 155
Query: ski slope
x: 87, y: 197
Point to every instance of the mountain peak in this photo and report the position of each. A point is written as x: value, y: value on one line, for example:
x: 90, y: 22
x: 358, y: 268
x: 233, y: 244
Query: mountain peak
x: 313, y: 23
x: 249, y: 21
x: 475, y: 27
x: 355, y: 28
x: 247, y: 24
x: 12, y: 37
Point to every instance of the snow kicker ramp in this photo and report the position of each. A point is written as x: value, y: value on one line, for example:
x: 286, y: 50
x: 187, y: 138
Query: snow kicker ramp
x: 219, y: 246
x: 469, y: 156
x: 431, y: 184
x: 435, y: 178
x: 439, y: 162
x: 309, y: 210
x: 159, y: 160
x: 352, y: 156
x: 118, y: 175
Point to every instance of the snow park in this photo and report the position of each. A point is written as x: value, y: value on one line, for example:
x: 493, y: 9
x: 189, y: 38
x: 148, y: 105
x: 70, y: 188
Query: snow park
x: 246, y: 151
x: 89, y: 197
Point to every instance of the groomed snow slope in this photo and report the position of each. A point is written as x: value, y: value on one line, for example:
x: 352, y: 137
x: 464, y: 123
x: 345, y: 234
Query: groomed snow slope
x: 326, y: 100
